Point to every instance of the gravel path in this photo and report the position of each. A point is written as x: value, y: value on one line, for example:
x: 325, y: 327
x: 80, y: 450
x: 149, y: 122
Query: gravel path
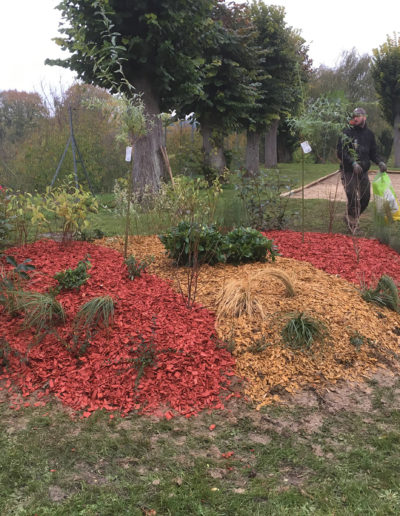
x: 331, y: 188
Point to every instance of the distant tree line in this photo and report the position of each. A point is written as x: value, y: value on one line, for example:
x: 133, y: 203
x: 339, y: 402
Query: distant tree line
x: 239, y: 69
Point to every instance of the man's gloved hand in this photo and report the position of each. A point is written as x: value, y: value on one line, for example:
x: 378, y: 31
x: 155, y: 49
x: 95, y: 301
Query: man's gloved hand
x: 357, y: 168
x: 382, y: 166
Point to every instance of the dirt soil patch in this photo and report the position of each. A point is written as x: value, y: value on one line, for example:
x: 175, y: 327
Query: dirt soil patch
x: 272, y: 370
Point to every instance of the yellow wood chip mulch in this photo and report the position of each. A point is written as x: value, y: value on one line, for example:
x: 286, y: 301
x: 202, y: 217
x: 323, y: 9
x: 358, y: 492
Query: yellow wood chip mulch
x: 268, y: 365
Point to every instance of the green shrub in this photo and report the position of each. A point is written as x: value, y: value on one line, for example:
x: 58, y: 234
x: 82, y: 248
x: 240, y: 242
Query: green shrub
x: 71, y: 206
x: 245, y: 245
x: 301, y: 331
x: 261, y: 197
x: 70, y: 279
x: 191, y: 244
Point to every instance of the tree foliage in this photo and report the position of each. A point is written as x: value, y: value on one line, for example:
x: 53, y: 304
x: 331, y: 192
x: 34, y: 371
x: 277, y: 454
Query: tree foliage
x: 20, y: 112
x: 386, y: 75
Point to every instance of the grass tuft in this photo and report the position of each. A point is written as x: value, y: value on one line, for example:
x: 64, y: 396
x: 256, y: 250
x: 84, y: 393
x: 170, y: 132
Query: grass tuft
x: 41, y: 310
x: 98, y: 311
x: 385, y: 294
x: 302, y: 330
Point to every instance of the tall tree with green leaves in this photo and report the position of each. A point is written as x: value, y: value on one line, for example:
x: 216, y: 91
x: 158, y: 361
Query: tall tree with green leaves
x: 278, y: 78
x: 153, y: 45
x: 386, y: 75
x: 228, y: 89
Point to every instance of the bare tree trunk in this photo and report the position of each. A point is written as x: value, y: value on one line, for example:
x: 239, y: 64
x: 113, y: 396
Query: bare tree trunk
x: 396, y: 140
x: 271, y: 148
x: 213, y: 149
x: 253, y: 153
x: 148, y: 165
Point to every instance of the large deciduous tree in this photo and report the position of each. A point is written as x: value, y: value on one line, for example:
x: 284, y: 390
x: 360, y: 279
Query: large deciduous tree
x: 152, y: 45
x: 386, y: 75
x: 278, y: 79
x: 228, y: 89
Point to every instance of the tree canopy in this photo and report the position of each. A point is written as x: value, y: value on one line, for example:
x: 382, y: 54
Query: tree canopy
x: 386, y: 75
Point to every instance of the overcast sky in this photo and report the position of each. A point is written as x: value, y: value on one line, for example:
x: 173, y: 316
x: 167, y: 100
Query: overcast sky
x: 329, y: 27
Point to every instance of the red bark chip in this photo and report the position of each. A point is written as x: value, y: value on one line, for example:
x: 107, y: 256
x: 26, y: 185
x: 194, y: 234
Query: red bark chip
x: 148, y: 358
x: 359, y: 260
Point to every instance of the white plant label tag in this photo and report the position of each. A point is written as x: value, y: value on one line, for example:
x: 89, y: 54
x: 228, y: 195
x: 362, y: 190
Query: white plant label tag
x: 128, y: 154
x: 306, y: 147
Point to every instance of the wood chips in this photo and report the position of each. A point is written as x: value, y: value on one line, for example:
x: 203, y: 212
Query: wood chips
x: 360, y: 336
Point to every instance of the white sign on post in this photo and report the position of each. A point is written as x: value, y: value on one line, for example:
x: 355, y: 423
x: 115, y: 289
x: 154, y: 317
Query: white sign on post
x: 306, y: 147
x: 128, y: 154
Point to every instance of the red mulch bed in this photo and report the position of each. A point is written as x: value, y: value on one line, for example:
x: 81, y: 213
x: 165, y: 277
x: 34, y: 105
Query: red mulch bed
x: 190, y: 371
x: 337, y: 254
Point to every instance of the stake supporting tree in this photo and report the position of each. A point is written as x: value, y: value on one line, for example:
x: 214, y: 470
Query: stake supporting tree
x: 76, y: 155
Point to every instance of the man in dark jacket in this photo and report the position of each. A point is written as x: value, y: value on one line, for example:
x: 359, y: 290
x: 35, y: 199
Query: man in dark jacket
x: 356, y: 149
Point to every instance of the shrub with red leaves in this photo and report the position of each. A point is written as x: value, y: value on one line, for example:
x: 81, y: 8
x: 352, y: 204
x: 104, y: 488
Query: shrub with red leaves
x: 188, y: 372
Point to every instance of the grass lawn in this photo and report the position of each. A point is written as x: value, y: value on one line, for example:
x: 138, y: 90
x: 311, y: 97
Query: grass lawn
x: 230, y: 211
x: 317, y: 457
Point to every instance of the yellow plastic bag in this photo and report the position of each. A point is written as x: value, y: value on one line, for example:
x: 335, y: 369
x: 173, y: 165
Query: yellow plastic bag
x: 385, y: 194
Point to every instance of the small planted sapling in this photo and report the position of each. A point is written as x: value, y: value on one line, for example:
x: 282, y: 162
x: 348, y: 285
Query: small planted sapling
x: 135, y: 267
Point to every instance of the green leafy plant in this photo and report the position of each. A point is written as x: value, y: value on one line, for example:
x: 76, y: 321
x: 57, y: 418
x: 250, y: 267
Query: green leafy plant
x: 244, y: 245
x: 189, y: 244
x: 135, y: 268
x: 70, y: 206
x: 384, y: 294
x: 70, y: 279
x: 301, y: 331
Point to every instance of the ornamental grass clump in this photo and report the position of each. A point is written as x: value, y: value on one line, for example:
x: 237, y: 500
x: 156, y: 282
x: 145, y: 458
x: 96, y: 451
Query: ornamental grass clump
x: 301, y: 331
x: 42, y: 311
x: 97, y: 312
x: 238, y: 297
x: 384, y: 294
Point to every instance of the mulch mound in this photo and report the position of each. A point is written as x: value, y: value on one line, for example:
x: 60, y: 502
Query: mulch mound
x: 360, y: 336
x: 183, y: 368
x: 191, y: 371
